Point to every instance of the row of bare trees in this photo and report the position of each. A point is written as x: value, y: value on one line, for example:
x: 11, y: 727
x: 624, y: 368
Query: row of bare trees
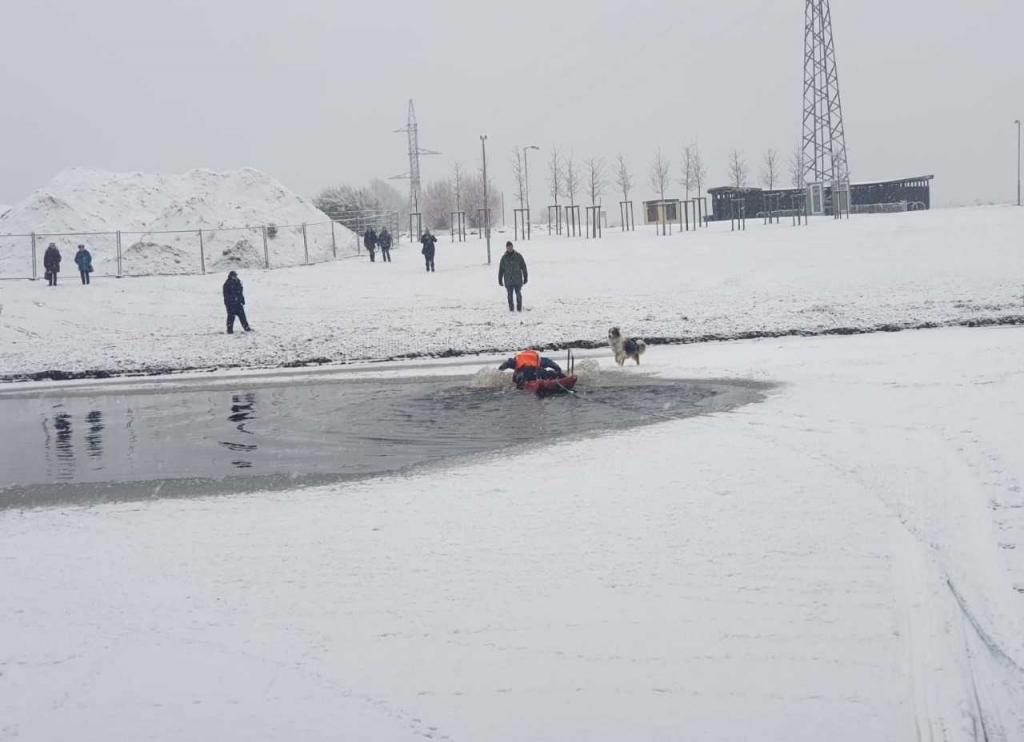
x: 567, y: 177
x: 460, y: 191
x: 771, y: 170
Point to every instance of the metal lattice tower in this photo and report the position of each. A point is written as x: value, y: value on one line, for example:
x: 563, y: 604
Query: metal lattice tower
x: 413, y: 175
x: 824, y: 137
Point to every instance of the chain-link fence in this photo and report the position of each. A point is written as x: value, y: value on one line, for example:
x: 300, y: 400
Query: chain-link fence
x: 196, y: 251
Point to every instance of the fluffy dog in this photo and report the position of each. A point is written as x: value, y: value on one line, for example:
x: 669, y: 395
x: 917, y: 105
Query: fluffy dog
x: 625, y: 347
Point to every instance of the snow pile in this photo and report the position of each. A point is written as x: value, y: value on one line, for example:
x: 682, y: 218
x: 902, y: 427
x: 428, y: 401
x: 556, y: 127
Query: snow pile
x: 160, y: 216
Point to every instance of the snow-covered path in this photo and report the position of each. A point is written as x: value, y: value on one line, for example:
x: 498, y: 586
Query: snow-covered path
x: 838, y: 562
x: 952, y: 266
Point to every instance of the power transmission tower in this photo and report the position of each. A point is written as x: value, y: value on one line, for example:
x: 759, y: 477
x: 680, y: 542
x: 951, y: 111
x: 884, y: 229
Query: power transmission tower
x: 824, y: 137
x: 413, y: 176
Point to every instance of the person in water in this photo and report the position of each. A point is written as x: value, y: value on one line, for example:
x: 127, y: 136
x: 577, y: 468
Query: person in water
x: 529, y: 365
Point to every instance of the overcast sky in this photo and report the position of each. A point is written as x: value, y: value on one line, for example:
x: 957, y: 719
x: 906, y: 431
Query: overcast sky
x: 311, y: 90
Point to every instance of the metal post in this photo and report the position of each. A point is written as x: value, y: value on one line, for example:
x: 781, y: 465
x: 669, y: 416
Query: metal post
x: 120, y: 274
x: 487, y: 210
x: 35, y: 269
x: 202, y: 254
x: 334, y: 243
x: 305, y: 244
x: 266, y: 250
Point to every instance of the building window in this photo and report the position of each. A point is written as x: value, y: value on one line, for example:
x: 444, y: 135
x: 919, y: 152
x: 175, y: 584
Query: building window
x: 652, y: 213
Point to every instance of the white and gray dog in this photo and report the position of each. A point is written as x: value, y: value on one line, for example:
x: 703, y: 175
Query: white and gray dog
x: 625, y: 347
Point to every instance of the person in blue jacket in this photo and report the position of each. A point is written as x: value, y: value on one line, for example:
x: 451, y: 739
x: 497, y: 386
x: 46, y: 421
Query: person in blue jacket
x: 83, y: 259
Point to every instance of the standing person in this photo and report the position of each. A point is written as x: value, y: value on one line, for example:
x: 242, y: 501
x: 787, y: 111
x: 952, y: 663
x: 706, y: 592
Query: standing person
x: 429, y: 243
x: 83, y: 259
x: 512, y: 275
x: 51, y: 262
x: 385, y: 245
x: 234, y: 302
x: 370, y: 241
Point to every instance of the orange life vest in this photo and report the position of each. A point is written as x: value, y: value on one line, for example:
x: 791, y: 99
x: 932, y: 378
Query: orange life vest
x: 527, y: 359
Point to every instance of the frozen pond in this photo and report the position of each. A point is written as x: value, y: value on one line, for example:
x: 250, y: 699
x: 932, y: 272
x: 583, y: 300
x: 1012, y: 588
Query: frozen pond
x: 68, y: 447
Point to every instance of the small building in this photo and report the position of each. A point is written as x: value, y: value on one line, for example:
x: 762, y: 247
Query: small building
x: 662, y: 211
x: 887, y: 196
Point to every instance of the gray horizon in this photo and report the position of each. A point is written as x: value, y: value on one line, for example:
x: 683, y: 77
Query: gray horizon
x: 312, y: 94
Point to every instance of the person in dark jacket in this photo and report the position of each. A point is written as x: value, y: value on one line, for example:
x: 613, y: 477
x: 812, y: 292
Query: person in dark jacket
x: 370, y: 242
x: 234, y: 302
x: 429, y: 243
x: 513, y: 276
x: 51, y: 262
x: 528, y: 365
x: 385, y: 245
x: 83, y: 259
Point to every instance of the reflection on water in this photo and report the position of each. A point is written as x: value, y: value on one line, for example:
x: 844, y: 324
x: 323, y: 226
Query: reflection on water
x: 242, y: 411
x: 341, y: 430
x: 94, y: 438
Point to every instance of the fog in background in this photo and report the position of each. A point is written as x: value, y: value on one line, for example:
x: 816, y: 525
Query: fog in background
x: 311, y: 91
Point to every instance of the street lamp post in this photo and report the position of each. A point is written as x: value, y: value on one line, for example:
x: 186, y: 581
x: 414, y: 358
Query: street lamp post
x: 487, y: 205
x: 1018, y: 161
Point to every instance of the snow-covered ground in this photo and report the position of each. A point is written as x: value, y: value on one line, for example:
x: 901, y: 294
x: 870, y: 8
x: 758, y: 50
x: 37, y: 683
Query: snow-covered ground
x: 950, y: 266
x: 838, y: 562
x: 159, y: 217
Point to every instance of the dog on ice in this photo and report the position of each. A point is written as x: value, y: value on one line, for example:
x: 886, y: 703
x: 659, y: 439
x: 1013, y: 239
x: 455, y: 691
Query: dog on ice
x: 625, y: 347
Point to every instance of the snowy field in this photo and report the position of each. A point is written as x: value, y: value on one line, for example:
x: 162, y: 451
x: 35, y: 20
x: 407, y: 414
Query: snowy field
x: 950, y: 266
x: 843, y: 561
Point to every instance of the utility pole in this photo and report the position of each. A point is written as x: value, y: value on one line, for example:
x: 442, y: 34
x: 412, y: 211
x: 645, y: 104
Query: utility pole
x: 487, y: 205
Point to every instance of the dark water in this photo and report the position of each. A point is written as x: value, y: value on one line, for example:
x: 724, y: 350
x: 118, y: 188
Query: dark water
x: 60, y: 449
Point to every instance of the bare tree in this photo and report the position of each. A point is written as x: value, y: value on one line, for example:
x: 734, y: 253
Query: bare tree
x: 572, y: 179
x: 624, y: 178
x: 796, y: 168
x: 737, y: 170
x: 771, y: 171
x: 556, y: 175
x: 519, y: 173
x: 660, y: 173
x: 437, y: 201
x: 596, y: 180
x: 457, y: 184
x: 474, y: 195
x: 700, y: 171
x: 689, y: 179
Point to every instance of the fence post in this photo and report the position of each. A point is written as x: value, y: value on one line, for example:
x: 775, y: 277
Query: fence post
x: 305, y: 244
x: 334, y: 244
x: 119, y: 267
x: 35, y: 268
x: 202, y: 254
x: 266, y: 250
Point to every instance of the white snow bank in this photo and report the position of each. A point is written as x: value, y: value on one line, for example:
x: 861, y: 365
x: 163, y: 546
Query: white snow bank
x: 785, y: 571
x: 155, y: 211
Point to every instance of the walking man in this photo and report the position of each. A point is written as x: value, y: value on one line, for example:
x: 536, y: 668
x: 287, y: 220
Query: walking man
x: 512, y: 275
x: 429, y: 242
x: 234, y: 302
x: 370, y: 242
x: 51, y: 262
x: 83, y: 259
x: 385, y: 245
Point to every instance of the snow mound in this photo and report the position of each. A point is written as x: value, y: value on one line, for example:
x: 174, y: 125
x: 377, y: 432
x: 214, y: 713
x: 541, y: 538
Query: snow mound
x: 588, y: 371
x: 155, y: 211
x: 144, y: 258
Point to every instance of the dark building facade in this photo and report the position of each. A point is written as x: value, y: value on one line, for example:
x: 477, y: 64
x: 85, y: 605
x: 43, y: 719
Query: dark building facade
x: 908, y: 194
